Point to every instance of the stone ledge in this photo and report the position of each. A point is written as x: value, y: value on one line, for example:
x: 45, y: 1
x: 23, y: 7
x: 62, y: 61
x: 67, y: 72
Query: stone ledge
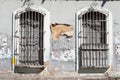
x: 52, y: 75
x: 114, y: 74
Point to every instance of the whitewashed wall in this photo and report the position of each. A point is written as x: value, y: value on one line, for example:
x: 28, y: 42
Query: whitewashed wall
x: 60, y: 12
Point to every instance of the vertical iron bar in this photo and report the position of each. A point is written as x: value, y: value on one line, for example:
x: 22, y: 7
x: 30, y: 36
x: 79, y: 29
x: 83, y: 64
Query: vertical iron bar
x: 39, y: 50
x: 107, y: 37
x: 99, y: 39
x: 91, y: 34
x: 84, y: 46
x: 80, y: 41
x: 39, y: 40
x: 26, y: 31
x: 103, y: 26
x: 86, y: 41
x: 42, y: 38
x: 82, y: 52
x: 89, y: 41
x: 34, y: 49
x: 79, y: 34
x: 96, y: 43
x: 93, y: 39
x: 105, y: 41
x: 36, y: 33
x: 34, y: 17
x: 79, y: 38
x: 32, y: 43
x: 107, y: 27
x: 22, y: 32
x: 21, y: 36
x: 105, y: 45
x: 30, y: 35
x: 99, y: 42
x: 16, y: 39
x: 102, y: 39
x: 36, y: 40
x: 96, y: 40
x: 25, y: 38
x: 102, y: 52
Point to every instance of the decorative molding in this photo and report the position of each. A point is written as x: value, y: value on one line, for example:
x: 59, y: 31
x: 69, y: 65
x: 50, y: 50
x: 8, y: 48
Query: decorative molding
x: 28, y: 2
x: 93, y: 6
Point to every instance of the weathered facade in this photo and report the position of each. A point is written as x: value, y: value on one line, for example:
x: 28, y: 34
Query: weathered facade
x: 91, y: 49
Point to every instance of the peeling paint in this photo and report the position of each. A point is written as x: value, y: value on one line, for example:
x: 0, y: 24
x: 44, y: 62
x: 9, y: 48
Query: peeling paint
x: 5, y: 47
x: 67, y: 55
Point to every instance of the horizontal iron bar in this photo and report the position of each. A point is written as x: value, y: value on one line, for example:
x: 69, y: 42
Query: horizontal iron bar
x: 94, y: 49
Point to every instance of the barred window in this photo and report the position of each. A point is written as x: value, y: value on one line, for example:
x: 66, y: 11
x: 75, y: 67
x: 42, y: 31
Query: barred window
x: 93, y: 45
x: 31, y: 38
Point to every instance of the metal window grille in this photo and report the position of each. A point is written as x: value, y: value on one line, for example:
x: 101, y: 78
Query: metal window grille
x: 31, y: 38
x: 92, y: 40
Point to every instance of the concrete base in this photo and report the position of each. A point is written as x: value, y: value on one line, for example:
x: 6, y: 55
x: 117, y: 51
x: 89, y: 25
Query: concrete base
x: 28, y: 69
x: 114, y: 75
x: 51, y: 75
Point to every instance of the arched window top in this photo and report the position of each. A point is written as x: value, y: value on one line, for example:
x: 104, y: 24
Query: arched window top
x: 93, y: 9
x: 31, y: 8
x: 28, y: 14
x: 94, y: 15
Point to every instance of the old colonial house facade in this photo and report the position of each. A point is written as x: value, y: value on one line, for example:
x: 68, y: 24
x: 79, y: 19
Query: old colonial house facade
x: 79, y: 35
x: 93, y: 36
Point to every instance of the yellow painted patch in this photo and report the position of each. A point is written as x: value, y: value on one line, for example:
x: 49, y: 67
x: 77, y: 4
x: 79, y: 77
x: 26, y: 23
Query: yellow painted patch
x: 13, y: 60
